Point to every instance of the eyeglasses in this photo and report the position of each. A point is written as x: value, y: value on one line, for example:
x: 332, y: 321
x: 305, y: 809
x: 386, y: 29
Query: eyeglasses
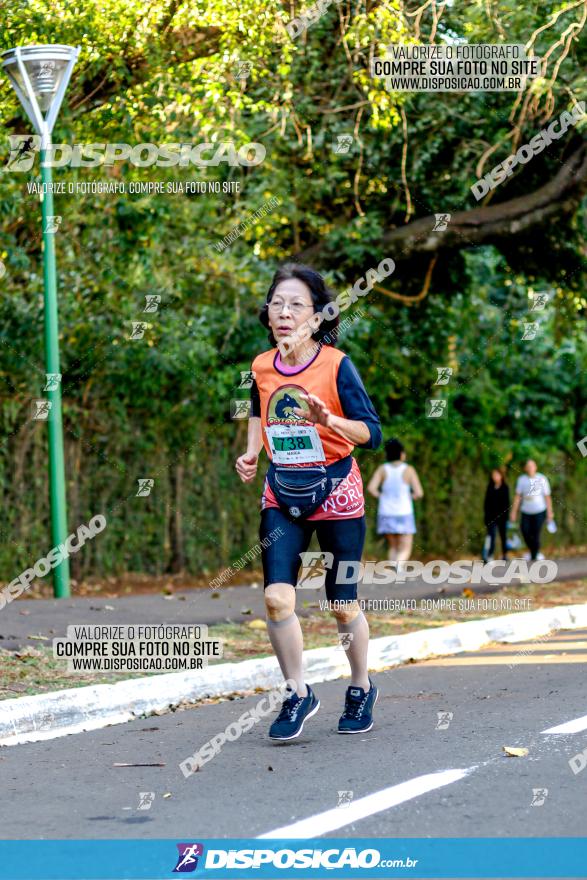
x: 296, y: 308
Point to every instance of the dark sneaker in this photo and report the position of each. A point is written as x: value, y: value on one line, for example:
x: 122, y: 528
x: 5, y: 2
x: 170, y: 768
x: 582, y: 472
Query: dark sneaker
x: 294, y: 711
x: 358, y: 708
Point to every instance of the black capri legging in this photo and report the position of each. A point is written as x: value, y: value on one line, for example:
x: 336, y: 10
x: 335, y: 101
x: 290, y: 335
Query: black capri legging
x: 343, y: 538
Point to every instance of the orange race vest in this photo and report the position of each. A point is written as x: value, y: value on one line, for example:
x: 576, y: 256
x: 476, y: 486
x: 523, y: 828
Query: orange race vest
x: 279, y: 394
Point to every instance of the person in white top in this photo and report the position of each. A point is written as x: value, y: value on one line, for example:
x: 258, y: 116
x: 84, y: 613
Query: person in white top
x: 534, y: 499
x: 396, y: 485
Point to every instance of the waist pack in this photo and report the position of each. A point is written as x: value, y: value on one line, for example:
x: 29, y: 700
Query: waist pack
x: 299, y: 491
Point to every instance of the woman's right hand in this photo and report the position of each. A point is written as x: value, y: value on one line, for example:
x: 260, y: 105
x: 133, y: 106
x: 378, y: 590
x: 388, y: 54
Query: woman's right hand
x: 246, y: 466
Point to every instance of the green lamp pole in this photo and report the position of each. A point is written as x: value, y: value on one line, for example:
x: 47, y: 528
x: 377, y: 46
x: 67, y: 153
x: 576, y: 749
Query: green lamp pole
x: 39, y: 75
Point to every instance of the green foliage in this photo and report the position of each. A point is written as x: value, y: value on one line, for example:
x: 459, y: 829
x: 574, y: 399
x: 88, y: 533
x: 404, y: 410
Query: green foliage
x: 158, y: 407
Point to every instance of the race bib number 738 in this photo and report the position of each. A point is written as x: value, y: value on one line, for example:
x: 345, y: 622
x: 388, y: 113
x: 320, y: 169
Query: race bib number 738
x: 295, y: 445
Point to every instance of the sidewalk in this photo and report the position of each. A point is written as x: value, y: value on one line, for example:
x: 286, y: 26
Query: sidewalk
x: 73, y: 710
x: 30, y: 621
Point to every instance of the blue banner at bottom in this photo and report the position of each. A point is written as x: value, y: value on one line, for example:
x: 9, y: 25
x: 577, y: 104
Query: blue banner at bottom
x: 224, y: 859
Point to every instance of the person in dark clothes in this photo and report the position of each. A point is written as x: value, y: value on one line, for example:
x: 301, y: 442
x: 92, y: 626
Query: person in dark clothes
x: 496, y: 512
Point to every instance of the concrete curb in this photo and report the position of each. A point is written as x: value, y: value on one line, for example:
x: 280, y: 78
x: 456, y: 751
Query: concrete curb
x: 45, y: 716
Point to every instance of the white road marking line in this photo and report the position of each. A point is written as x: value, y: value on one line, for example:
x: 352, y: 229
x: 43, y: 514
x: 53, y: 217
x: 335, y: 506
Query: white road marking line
x: 338, y: 817
x: 575, y: 726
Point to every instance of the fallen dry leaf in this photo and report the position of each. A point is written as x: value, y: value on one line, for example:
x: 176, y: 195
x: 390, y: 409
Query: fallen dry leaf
x: 28, y: 651
x: 257, y: 624
x: 513, y: 752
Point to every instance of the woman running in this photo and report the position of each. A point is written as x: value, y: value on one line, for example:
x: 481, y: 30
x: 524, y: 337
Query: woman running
x: 496, y: 508
x: 309, y: 409
x: 397, y: 486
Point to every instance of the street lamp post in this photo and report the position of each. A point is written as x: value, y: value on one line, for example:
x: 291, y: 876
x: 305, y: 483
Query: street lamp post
x: 40, y: 75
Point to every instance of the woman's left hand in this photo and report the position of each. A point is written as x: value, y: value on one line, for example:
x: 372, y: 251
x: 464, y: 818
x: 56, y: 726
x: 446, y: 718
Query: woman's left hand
x: 317, y: 411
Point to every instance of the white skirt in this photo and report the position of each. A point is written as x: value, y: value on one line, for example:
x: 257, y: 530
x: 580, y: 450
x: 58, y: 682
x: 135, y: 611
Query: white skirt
x: 396, y: 525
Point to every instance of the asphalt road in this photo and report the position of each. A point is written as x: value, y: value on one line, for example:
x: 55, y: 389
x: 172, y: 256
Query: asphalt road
x: 503, y: 696
x: 49, y: 618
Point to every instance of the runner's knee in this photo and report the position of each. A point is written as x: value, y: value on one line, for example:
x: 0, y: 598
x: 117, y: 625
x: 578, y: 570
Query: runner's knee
x: 346, y: 613
x: 280, y: 601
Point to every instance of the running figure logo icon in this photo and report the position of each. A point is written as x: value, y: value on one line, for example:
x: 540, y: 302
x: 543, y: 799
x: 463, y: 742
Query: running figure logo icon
x: 22, y: 152
x: 138, y: 330
x: 444, y: 719
x: 188, y: 857
x: 444, y: 374
x: 344, y: 640
x: 152, y: 302
x: 343, y: 143
x: 530, y: 330
x: 535, y: 486
x: 441, y: 222
x: 242, y: 69
x: 41, y: 409
x: 437, y: 408
x: 247, y: 378
x: 53, y: 223
x: 240, y: 409
x: 539, y: 301
x: 52, y: 382
x: 539, y: 795
x: 314, y: 565
x: 146, y: 799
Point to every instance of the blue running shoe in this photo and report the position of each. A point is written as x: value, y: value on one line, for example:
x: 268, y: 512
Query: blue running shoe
x: 294, y: 711
x: 358, y: 710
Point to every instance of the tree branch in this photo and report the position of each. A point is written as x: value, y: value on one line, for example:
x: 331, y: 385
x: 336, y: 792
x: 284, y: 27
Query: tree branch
x: 489, y: 224
x: 485, y: 225
x: 180, y: 46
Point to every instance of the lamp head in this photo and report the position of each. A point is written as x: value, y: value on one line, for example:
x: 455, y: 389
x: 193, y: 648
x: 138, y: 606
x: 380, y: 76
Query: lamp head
x: 39, y: 75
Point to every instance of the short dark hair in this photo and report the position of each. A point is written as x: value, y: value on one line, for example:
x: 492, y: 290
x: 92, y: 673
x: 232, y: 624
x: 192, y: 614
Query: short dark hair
x: 393, y: 449
x: 320, y: 293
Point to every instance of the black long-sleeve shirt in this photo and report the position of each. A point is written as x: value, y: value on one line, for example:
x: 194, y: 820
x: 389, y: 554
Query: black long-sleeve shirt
x: 497, y: 503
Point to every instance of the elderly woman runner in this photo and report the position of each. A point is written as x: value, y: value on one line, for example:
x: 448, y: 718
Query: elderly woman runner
x: 309, y: 409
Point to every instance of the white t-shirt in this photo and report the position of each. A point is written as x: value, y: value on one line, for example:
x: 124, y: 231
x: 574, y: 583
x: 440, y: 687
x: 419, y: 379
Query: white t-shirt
x: 533, y: 491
